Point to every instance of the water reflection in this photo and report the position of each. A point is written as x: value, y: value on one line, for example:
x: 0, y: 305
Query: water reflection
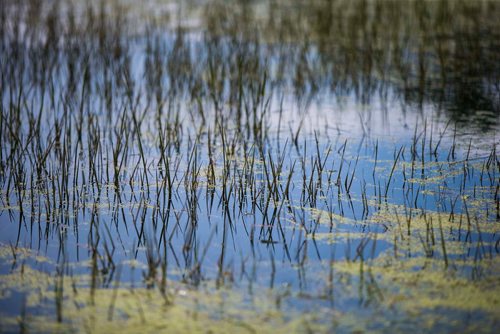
x: 331, y: 147
x: 445, y: 52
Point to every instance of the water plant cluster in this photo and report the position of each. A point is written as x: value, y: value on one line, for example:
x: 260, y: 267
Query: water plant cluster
x: 248, y: 167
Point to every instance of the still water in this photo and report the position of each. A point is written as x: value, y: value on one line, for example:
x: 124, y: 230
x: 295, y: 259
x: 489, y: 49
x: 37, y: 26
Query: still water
x: 244, y: 166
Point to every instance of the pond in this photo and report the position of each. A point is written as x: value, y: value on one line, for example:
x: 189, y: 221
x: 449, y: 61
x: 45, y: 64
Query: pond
x: 249, y: 166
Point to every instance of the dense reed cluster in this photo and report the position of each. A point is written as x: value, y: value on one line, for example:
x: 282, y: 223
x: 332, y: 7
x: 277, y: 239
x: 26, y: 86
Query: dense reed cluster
x: 135, y: 138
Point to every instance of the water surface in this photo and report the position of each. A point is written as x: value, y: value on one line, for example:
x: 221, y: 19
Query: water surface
x: 249, y: 166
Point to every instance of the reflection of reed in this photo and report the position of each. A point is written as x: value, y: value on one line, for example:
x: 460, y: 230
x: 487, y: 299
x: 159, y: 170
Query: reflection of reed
x: 440, y: 51
x: 444, y: 51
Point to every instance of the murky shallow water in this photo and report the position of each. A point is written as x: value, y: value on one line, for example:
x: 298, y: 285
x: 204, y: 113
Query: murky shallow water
x: 262, y: 167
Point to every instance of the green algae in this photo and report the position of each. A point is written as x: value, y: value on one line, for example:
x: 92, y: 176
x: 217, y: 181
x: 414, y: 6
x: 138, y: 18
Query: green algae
x: 400, y: 289
x: 132, y: 310
x: 420, y: 284
x: 20, y: 253
x: 417, y: 220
